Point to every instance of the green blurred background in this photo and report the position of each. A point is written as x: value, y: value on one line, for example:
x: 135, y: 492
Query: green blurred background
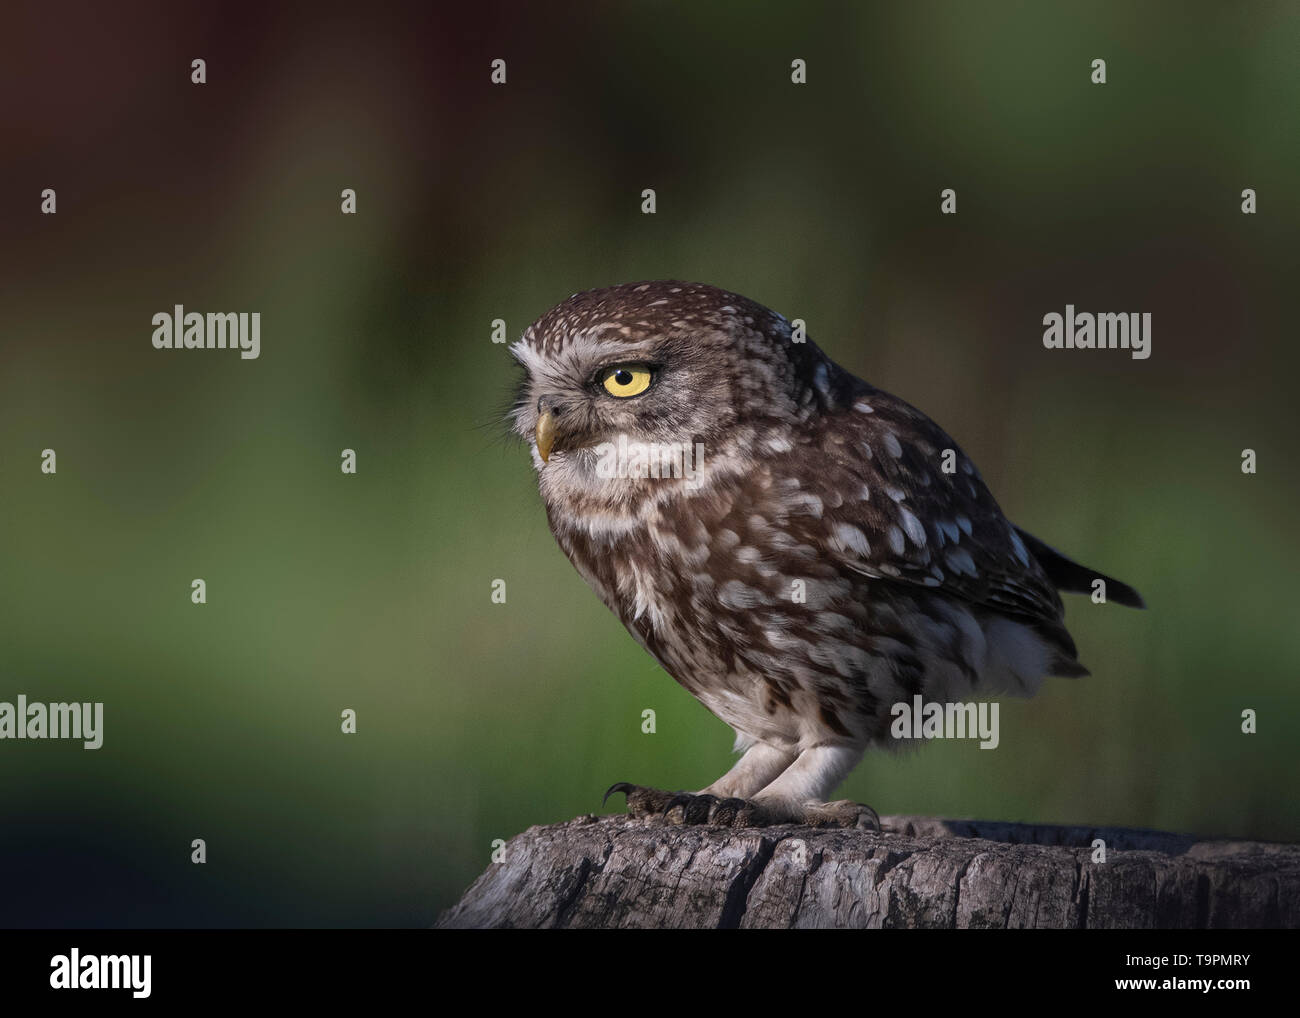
x: 478, y: 202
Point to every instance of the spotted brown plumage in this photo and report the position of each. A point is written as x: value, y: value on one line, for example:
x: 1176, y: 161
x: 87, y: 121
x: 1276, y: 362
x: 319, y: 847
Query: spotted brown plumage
x: 819, y: 551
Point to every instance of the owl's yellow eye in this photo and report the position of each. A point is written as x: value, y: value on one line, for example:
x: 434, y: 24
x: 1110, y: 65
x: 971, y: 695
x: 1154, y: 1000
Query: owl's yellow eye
x: 626, y: 380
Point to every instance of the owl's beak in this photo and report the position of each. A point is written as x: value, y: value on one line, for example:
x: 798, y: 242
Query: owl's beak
x: 545, y: 434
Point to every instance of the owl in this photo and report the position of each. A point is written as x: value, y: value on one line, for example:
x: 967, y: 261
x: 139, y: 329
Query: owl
x: 798, y: 549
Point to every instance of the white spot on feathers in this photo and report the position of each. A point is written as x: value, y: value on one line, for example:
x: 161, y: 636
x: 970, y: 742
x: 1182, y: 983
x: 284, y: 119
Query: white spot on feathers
x: 912, y: 527
x: 738, y: 596
x: 1018, y: 546
x: 960, y: 560
x: 852, y: 538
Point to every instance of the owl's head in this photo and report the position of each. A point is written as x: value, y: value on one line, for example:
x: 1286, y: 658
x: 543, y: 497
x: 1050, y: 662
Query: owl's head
x: 657, y: 363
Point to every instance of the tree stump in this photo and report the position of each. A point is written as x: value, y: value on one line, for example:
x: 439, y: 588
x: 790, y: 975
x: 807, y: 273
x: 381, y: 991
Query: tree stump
x: 619, y: 872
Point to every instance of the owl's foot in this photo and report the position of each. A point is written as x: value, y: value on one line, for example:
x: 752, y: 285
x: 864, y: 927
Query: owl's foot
x: 701, y: 808
x: 691, y: 807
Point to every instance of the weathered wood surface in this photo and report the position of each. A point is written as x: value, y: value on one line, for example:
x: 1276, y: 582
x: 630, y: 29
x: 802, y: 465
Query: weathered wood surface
x: 619, y: 872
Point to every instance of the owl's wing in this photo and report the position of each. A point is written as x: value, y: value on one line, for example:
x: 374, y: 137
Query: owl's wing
x: 900, y: 501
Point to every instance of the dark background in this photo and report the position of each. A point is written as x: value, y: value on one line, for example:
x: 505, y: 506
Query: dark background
x: 478, y: 202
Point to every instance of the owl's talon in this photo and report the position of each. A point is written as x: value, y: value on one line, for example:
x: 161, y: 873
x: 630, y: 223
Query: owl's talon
x: 696, y: 808
x: 723, y: 812
x: 675, y: 799
x: 844, y: 813
x: 642, y: 801
x: 681, y: 799
x: 753, y: 814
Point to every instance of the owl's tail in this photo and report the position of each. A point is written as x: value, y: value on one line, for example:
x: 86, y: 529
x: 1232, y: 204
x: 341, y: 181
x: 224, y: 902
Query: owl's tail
x: 1069, y: 576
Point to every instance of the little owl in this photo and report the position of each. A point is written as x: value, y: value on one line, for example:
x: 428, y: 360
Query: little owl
x: 798, y: 549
